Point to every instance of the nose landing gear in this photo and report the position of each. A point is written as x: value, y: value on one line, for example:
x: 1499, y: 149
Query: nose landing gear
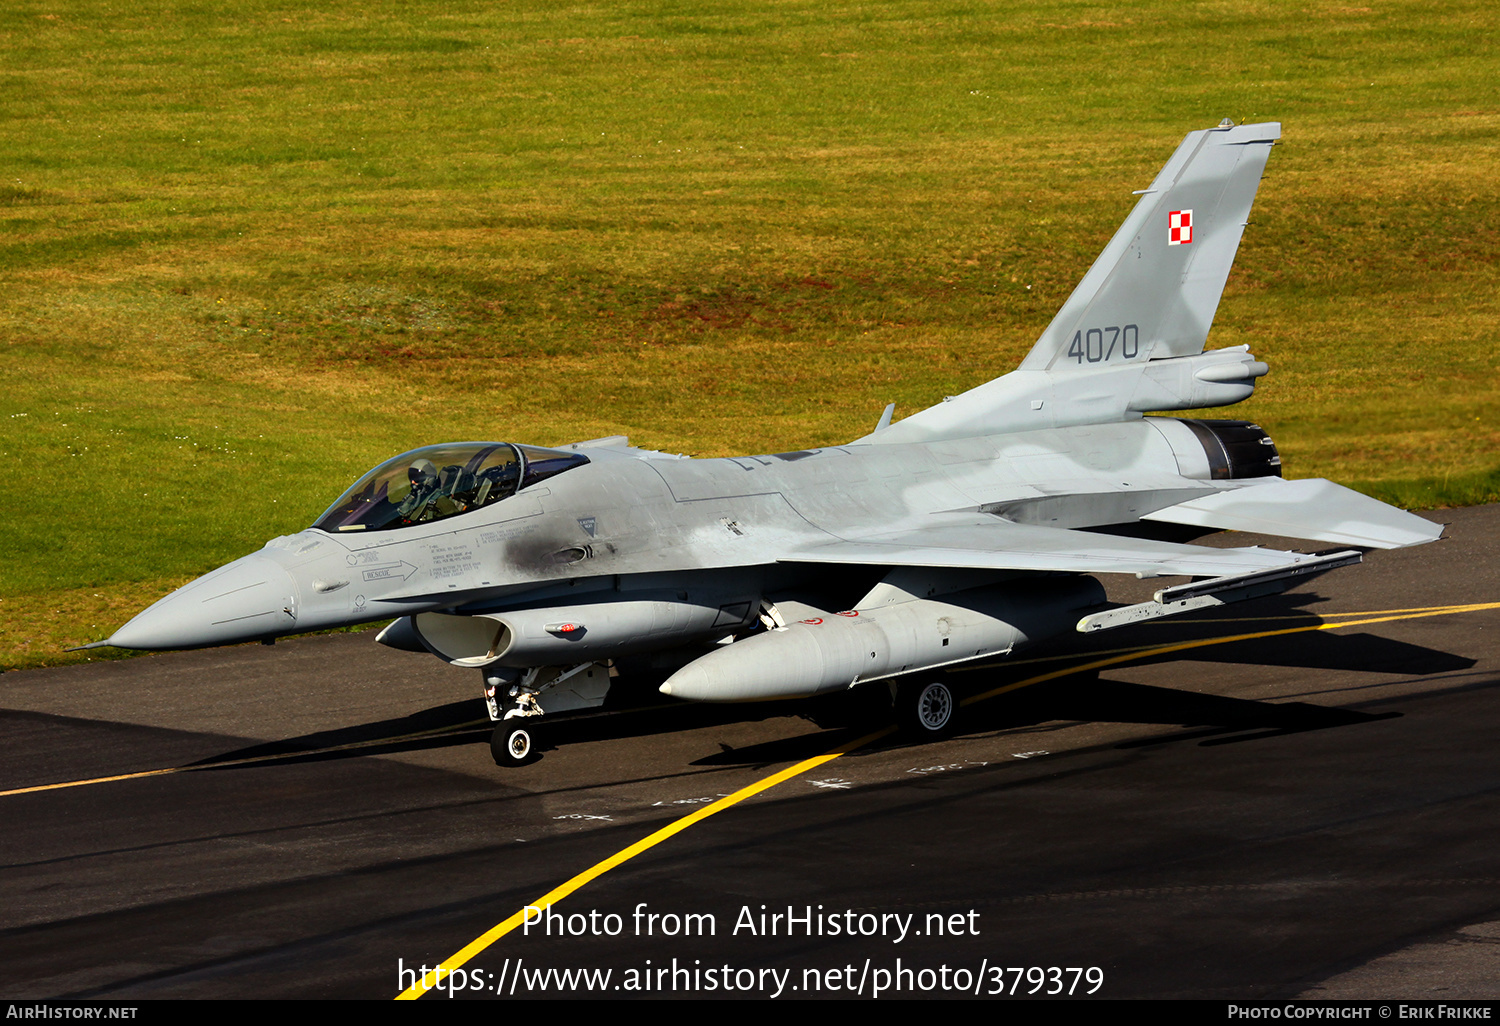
x: 512, y: 745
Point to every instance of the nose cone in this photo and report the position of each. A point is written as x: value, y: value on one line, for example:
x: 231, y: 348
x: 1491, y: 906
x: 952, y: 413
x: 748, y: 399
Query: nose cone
x: 248, y: 599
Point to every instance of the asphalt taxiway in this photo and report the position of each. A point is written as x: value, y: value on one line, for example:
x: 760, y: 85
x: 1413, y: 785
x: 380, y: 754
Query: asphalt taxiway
x: 1293, y: 796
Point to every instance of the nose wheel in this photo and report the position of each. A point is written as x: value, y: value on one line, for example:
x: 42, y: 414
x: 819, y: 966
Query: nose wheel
x: 512, y: 745
x: 928, y: 709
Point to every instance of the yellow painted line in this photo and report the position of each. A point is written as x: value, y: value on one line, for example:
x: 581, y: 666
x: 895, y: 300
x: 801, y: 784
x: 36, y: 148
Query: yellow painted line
x: 555, y: 895
x: 250, y: 760
x: 1030, y: 660
x: 1298, y: 616
x: 95, y: 780
x: 1184, y: 646
x: 1456, y: 607
x: 489, y: 937
x: 1142, y: 650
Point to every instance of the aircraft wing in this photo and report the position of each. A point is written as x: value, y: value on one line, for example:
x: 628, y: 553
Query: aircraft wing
x: 1310, y: 508
x: 986, y: 542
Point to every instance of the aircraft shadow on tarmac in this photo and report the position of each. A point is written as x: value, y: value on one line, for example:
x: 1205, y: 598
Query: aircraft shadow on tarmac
x: 1312, y: 649
x: 1082, y: 697
x: 441, y: 726
x: 1209, y: 720
x: 466, y: 723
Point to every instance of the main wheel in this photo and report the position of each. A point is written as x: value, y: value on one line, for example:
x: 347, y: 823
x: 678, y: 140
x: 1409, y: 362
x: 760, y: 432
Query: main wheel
x: 928, y: 709
x: 511, y: 745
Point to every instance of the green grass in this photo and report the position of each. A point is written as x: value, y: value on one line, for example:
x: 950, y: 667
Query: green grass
x: 250, y: 250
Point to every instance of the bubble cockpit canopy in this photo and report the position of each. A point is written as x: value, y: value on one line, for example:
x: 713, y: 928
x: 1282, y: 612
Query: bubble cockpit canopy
x: 439, y: 481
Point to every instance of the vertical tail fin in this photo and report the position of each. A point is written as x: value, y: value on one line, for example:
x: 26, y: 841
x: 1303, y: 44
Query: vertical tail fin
x: 1153, y: 292
x: 1130, y: 338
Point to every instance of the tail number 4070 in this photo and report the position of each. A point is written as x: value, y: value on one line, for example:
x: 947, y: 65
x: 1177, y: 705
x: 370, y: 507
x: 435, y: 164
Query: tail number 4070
x: 1097, y: 345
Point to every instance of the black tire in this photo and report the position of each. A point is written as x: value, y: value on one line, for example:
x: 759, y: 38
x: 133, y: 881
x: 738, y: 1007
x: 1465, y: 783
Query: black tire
x: 511, y: 745
x: 927, y: 708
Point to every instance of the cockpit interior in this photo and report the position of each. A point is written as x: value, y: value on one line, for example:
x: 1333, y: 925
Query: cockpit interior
x: 440, y: 481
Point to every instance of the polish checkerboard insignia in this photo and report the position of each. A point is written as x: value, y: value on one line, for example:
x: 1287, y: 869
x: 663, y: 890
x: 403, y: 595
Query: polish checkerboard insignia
x: 1179, y: 227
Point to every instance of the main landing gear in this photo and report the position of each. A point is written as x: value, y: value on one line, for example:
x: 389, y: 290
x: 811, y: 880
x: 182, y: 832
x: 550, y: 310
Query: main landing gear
x: 927, y: 709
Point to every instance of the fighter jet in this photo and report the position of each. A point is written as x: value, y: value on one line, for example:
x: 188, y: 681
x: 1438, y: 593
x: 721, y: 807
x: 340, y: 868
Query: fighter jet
x: 960, y: 533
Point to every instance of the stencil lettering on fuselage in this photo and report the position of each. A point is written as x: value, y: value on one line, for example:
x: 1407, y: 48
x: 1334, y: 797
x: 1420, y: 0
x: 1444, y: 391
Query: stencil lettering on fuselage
x: 452, y: 560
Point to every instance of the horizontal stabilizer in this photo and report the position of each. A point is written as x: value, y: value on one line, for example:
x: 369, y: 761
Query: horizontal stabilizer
x: 1312, y: 508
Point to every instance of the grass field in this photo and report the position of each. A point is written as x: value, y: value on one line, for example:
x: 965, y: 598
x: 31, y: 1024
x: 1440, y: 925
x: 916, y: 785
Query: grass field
x: 251, y: 249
